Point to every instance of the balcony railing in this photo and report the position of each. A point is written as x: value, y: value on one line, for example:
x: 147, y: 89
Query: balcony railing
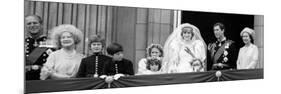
x: 37, y: 86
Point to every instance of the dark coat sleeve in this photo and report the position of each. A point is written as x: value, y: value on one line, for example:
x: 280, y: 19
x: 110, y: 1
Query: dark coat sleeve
x: 82, y: 69
x: 233, y: 54
x: 130, y: 69
x: 106, y: 67
x: 209, y: 60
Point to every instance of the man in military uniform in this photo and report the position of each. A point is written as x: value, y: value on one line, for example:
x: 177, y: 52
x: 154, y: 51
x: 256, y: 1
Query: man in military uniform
x: 222, y: 54
x: 35, y: 56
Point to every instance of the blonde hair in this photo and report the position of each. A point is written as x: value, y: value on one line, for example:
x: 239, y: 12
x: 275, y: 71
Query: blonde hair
x: 58, y: 30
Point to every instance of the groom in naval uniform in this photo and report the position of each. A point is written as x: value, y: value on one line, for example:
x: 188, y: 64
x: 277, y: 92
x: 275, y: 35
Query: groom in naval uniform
x: 222, y: 54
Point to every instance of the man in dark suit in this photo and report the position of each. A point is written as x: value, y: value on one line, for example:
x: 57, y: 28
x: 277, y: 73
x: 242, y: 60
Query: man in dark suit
x: 222, y: 54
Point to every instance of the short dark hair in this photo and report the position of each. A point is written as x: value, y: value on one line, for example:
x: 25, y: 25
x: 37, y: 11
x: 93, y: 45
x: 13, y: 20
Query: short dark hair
x: 96, y: 38
x: 36, y: 16
x: 153, y: 62
x: 114, y: 48
x: 221, y: 25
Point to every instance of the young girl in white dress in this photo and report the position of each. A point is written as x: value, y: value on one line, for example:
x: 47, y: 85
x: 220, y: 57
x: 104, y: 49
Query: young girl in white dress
x: 151, y: 64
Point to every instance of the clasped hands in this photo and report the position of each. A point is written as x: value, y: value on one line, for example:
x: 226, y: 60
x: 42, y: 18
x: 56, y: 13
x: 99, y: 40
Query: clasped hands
x: 32, y: 67
x: 110, y: 79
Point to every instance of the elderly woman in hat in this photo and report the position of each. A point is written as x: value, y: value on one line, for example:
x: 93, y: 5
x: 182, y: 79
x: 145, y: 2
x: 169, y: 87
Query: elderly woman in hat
x: 63, y: 63
x: 248, y: 54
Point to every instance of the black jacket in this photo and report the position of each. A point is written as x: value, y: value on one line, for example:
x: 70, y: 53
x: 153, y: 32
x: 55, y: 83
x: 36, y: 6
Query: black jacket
x: 114, y: 67
x: 88, y: 65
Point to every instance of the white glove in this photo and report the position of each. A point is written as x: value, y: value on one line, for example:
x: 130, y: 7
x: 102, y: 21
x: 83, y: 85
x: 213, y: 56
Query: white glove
x: 117, y: 76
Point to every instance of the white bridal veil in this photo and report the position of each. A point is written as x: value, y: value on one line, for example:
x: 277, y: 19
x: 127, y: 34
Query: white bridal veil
x: 173, y: 44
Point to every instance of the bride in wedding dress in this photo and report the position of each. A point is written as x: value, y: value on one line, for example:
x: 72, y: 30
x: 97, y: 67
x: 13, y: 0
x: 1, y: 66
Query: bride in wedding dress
x: 184, y: 50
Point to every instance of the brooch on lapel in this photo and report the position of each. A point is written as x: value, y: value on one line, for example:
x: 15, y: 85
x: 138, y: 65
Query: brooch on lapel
x: 226, y: 46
